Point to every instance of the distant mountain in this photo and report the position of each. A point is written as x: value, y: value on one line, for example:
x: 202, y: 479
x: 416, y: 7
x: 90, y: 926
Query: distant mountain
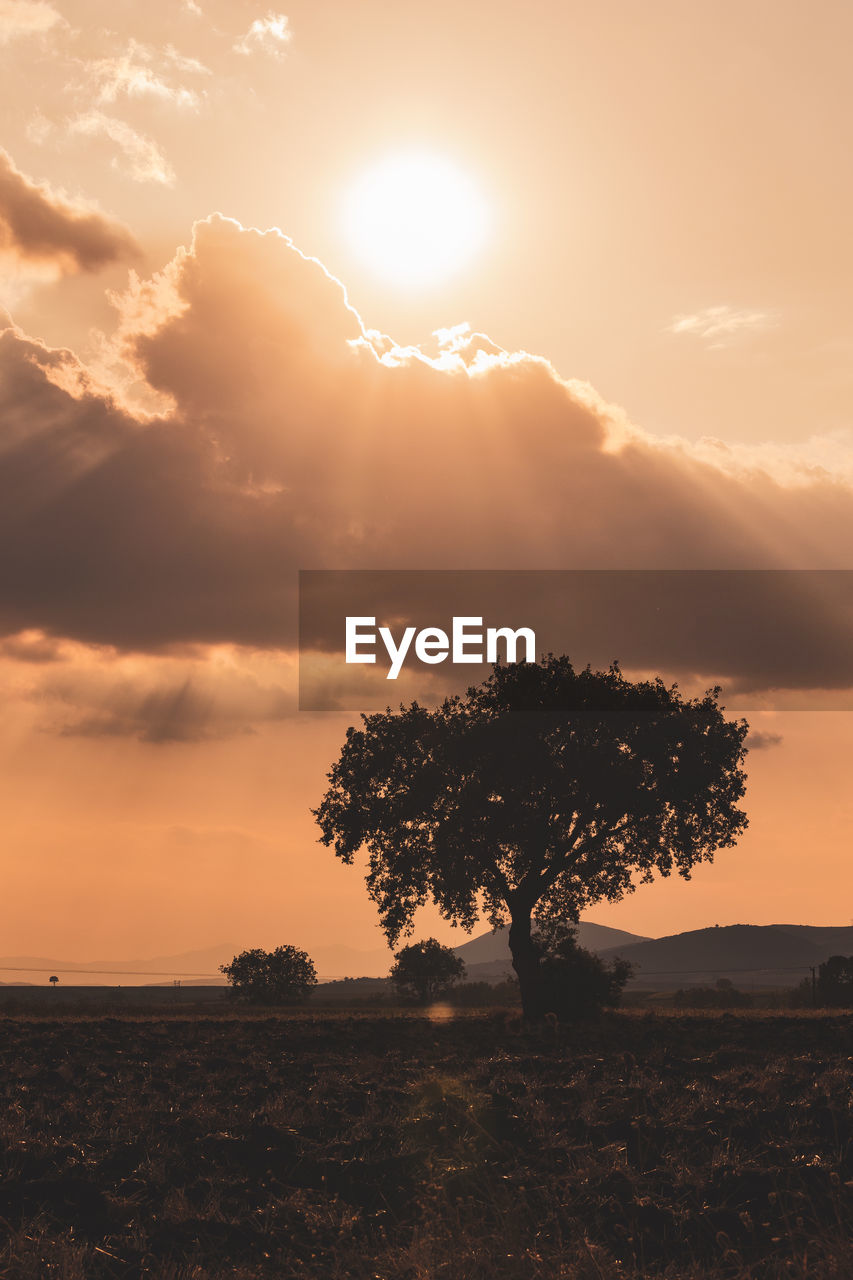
x: 487, y: 957
x: 203, y: 965
x: 747, y: 954
x: 197, y: 968
x: 837, y: 938
x: 769, y: 955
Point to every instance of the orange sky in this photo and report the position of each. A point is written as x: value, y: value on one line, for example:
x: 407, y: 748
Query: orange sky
x: 191, y: 411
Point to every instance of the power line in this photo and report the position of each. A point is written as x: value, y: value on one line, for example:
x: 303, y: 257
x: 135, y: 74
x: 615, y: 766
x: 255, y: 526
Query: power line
x: 134, y: 973
x: 163, y: 973
x: 769, y: 968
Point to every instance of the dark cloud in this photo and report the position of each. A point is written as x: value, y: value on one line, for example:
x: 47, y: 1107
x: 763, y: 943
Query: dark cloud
x: 760, y: 740
x: 38, y: 225
x: 128, y: 534
x: 297, y: 439
x: 161, y: 703
x: 167, y: 715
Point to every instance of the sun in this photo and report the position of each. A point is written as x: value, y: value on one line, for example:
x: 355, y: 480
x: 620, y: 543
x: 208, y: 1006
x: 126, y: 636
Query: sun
x: 414, y: 219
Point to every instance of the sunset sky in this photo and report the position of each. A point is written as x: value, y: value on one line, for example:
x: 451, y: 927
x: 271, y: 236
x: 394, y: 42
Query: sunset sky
x: 392, y: 286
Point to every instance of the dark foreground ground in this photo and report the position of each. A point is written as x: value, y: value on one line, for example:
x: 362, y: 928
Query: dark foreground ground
x: 384, y: 1147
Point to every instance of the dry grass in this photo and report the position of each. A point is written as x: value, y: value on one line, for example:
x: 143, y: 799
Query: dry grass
x: 389, y: 1147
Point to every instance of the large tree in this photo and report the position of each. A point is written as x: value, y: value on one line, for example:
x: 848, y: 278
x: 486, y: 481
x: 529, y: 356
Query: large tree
x: 542, y: 791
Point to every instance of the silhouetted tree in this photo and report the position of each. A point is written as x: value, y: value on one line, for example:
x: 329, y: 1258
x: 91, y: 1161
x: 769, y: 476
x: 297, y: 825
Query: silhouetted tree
x: 425, y: 970
x: 283, y: 976
x: 575, y: 984
x: 543, y: 789
x: 835, y: 982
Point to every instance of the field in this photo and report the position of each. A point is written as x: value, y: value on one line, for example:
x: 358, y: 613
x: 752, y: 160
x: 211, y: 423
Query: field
x: 394, y: 1147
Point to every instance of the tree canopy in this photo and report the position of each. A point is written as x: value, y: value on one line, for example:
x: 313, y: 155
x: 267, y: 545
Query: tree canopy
x: 544, y: 788
x: 425, y: 970
x: 283, y: 976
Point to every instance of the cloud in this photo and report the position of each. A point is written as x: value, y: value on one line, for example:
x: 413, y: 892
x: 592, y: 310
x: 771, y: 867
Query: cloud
x: 721, y: 325
x: 299, y: 438
x: 133, y: 74
x: 31, y: 646
x: 39, y: 225
x: 183, y: 63
x: 92, y: 691
x: 270, y: 34
x: 142, y: 158
x: 827, y: 457
x: 761, y: 740
x: 39, y: 128
x: 26, y: 18
x: 189, y: 710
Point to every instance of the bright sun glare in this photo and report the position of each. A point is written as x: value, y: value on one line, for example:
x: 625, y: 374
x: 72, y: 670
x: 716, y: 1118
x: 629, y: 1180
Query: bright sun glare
x: 414, y: 219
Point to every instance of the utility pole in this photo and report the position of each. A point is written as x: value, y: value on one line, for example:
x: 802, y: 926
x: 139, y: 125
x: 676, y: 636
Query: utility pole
x: 814, y: 986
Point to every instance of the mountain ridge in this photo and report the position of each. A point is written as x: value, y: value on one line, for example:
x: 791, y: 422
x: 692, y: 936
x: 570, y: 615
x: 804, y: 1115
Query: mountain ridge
x: 777, y: 955
x: 758, y: 955
x: 332, y: 961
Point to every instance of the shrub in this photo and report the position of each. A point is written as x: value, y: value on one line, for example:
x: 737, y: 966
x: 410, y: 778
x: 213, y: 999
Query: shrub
x: 283, y: 976
x: 576, y: 984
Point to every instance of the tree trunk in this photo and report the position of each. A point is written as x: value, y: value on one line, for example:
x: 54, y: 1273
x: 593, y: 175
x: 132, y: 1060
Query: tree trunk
x: 525, y: 961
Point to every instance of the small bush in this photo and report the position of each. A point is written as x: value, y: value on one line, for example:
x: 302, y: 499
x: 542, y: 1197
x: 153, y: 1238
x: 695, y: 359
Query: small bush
x: 576, y: 984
